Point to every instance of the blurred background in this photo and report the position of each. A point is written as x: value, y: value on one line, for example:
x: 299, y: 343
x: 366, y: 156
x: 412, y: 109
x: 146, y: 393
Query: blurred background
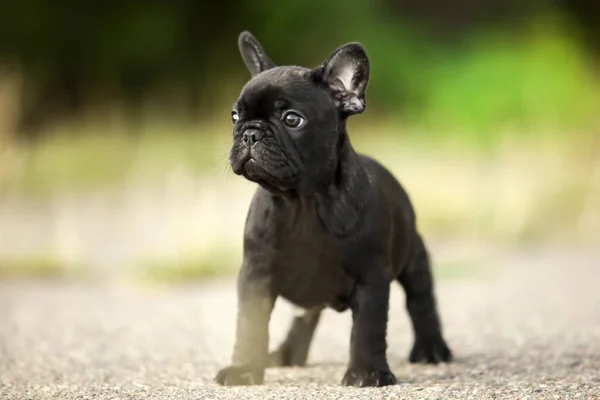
x: 115, y: 125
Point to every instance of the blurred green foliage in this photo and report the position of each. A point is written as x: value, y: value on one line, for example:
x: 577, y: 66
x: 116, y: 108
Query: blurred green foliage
x: 493, y: 66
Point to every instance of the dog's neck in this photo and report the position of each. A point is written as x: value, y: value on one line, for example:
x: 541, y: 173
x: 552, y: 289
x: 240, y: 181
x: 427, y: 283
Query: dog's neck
x: 340, y: 196
x: 341, y: 202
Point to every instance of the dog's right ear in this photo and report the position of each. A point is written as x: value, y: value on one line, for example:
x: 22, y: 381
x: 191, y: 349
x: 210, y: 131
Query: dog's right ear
x: 253, y: 54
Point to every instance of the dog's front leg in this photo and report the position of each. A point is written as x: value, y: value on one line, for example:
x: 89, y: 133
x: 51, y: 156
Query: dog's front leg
x: 250, y: 353
x: 368, y: 361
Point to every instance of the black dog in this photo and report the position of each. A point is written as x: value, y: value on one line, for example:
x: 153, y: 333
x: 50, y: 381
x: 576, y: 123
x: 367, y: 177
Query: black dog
x: 327, y: 227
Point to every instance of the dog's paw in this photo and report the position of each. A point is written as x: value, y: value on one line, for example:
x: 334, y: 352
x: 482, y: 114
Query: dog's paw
x: 430, y: 350
x: 368, y: 377
x: 240, y: 376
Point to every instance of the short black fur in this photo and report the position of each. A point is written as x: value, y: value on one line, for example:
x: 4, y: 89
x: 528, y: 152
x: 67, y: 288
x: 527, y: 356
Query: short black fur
x: 327, y: 227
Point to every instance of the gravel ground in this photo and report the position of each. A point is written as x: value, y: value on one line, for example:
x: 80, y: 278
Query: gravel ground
x: 528, y: 326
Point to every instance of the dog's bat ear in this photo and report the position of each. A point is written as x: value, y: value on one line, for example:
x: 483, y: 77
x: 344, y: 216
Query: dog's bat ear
x: 253, y: 54
x: 346, y: 75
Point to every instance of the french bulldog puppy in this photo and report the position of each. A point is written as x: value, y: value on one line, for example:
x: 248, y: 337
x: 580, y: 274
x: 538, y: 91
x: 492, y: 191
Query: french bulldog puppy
x: 327, y: 227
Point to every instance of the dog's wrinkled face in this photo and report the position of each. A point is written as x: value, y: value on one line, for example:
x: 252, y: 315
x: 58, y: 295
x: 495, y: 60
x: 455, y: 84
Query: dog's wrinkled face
x: 287, y: 119
x: 284, y: 125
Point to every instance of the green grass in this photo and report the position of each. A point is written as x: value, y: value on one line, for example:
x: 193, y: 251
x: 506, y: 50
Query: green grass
x: 94, y: 159
x: 457, y: 270
x: 38, y: 268
x: 190, y: 268
x: 187, y: 268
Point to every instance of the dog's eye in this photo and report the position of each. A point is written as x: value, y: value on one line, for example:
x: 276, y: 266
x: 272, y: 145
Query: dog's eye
x: 234, y: 117
x: 293, y: 120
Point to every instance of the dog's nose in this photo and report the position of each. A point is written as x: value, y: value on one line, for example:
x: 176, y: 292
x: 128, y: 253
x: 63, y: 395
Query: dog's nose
x: 251, y: 136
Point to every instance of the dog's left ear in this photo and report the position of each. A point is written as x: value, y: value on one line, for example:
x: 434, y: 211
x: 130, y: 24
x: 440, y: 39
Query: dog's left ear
x: 346, y: 75
x: 253, y: 54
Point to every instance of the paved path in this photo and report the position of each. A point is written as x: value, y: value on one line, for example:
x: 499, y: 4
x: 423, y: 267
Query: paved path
x: 528, y: 326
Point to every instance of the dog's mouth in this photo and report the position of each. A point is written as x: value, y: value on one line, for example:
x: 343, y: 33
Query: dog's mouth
x: 258, y: 166
x: 238, y: 164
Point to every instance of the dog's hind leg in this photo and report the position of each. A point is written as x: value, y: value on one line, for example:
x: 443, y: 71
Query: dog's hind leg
x: 417, y: 281
x: 294, y: 349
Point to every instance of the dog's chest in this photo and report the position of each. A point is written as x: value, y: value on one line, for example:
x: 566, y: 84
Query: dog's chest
x: 310, y: 268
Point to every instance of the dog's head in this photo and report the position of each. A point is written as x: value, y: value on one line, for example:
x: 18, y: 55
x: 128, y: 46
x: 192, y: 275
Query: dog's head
x: 288, y: 119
